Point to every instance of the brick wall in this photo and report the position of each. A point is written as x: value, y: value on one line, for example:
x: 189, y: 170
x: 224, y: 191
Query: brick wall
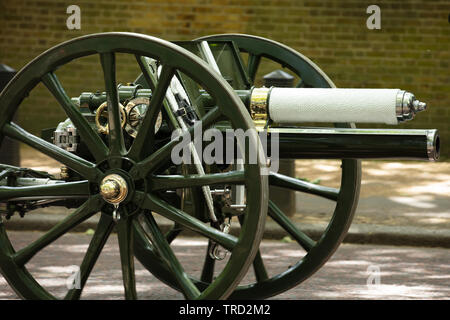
x: 411, y: 51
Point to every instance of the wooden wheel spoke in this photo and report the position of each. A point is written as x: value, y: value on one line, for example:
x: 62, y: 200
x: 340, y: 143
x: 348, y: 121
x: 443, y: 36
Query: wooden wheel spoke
x: 147, y: 128
x: 168, y: 211
x: 276, y: 214
x: 104, y: 228
x: 116, y: 141
x: 151, y: 77
x: 149, y: 74
x: 58, y: 190
x: 74, y: 162
x: 84, y: 212
x: 162, y: 246
x: 280, y: 180
x: 300, y: 84
x: 125, y: 236
x: 258, y: 263
x: 252, y: 66
x: 165, y: 182
x: 92, y: 140
x: 259, y: 268
x: 208, y: 265
x: 152, y: 162
x: 173, y: 233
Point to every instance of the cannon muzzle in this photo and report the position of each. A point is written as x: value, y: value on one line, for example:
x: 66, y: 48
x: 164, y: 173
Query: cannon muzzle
x: 342, y: 143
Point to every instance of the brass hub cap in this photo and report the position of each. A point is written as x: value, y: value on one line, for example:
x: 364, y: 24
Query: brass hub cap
x: 113, y: 188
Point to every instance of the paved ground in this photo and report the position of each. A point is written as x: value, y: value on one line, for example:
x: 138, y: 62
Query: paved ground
x: 393, y: 193
x: 404, y: 272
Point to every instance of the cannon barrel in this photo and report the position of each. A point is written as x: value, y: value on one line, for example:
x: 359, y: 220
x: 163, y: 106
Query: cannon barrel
x: 327, y: 143
x: 342, y: 143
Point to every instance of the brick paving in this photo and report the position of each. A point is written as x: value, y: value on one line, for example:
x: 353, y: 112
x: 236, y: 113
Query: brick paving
x: 405, y: 272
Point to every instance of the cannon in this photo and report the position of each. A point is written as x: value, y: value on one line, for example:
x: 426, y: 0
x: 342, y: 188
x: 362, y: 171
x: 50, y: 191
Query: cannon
x: 116, y: 150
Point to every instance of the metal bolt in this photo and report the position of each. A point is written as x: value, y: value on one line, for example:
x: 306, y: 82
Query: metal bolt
x: 419, y: 106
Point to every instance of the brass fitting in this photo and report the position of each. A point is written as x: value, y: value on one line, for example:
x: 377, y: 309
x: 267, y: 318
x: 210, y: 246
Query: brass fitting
x: 114, y: 189
x: 65, y: 172
x: 136, y: 110
x: 100, y: 113
x: 258, y: 106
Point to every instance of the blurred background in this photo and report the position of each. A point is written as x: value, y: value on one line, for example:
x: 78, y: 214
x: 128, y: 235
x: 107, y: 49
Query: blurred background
x: 410, y: 51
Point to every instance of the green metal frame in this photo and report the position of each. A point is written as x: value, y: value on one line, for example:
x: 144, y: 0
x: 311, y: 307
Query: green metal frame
x: 138, y: 166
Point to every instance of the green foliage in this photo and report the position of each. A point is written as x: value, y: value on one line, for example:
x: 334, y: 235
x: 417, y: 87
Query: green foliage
x: 89, y: 232
x: 287, y: 239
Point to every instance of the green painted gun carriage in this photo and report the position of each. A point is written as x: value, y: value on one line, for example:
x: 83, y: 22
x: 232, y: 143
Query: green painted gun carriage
x: 116, y: 148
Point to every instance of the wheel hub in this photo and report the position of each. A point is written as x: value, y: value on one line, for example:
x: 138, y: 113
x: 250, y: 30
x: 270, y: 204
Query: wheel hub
x: 114, y: 188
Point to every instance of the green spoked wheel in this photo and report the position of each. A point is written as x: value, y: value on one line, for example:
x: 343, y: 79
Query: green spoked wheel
x: 315, y: 253
x: 127, y: 184
x: 346, y: 196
